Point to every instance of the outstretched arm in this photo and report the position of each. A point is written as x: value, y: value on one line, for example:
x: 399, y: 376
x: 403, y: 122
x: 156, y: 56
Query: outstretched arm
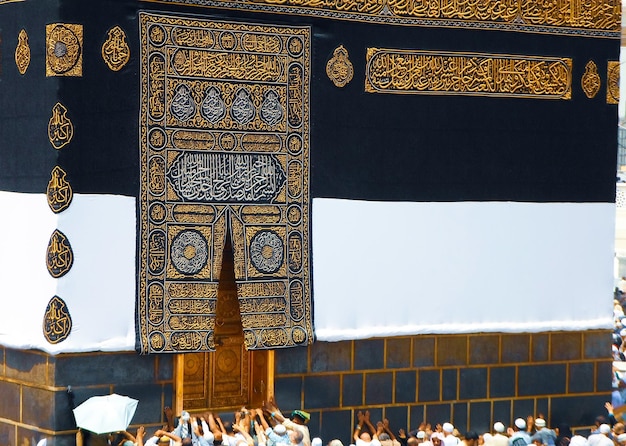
x: 169, y: 419
x: 379, y: 428
x: 141, y: 431
x: 262, y: 419
x: 368, y: 423
x: 273, y: 409
x: 359, y: 426
x: 217, y: 432
x: 387, y: 429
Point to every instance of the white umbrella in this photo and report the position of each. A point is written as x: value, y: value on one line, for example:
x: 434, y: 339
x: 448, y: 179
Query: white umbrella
x: 104, y: 414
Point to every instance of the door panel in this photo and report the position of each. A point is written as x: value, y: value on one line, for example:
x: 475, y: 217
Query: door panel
x: 230, y: 377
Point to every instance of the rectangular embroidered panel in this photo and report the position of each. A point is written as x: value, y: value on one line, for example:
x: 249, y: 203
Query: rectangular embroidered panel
x: 224, y: 146
x: 425, y: 72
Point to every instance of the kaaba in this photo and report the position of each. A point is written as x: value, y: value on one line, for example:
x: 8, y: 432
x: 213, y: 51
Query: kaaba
x: 400, y: 206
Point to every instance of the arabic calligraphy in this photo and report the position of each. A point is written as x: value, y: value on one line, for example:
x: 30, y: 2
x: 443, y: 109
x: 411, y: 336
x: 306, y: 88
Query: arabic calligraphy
x: 263, y: 320
x: 221, y: 177
x: 192, y: 306
x: 185, y: 213
x: 259, y: 305
x: 156, y: 256
x: 339, y: 69
x: 59, y: 192
x: 156, y: 302
x: 220, y: 105
x: 424, y: 72
x: 296, y: 297
x: 295, y: 92
x: 64, y: 52
x: 274, y: 337
x: 186, y: 341
x: 262, y: 43
x: 224, y: 147
x: 267, y: 251
x: 590, y: 82
x: 192, y: 290
x: 296, y: 259
x: 189, y: 251
x: 22, y: 52
x: 115, y: 49
x: 187, y: 322
x: 252, y: 289
x: 261, y: 142
x: 299, y: 335
x: 261, y: 214
x: 60, y: 128
x: 157, y: 341
x: 223, y: 65
x: 577, y: 17
x: 57, y: 322
x: 59, y: 255
x: 187, y: 36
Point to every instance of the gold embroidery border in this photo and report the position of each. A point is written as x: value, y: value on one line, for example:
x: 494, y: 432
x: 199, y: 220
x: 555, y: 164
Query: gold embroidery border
x: 404, y: 55
x: 298, y: 284
x: 381, y: 13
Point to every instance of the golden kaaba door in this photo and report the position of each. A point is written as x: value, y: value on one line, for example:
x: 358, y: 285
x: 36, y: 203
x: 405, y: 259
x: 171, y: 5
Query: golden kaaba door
x: 228, y: 378
x: 232, y: 376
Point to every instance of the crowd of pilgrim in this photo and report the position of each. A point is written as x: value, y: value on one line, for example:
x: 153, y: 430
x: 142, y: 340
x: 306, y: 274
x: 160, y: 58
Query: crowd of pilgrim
x: 267, y: 426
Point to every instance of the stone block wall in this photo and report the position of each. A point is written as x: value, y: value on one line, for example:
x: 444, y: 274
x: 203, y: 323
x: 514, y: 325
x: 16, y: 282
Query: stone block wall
x: 38, y: 391
x: 472, y: 380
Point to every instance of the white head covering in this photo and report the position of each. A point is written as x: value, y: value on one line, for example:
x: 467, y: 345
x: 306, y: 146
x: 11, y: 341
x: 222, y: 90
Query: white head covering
x: 578, y: 440
x: 448, y: 427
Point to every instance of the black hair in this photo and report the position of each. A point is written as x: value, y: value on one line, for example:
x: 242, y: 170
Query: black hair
x: 471, y: 435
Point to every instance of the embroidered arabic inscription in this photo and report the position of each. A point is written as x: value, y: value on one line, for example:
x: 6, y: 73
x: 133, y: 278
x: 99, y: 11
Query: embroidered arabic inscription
x: 574, y: 17
x: 224, y: 146
x: 424, y: 72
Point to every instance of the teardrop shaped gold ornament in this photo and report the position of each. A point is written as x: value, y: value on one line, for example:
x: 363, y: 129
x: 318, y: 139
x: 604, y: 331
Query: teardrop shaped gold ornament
x: 22, y: 52
x: 590, y: 81
x: 115, y: 50
x: 339, y: 69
